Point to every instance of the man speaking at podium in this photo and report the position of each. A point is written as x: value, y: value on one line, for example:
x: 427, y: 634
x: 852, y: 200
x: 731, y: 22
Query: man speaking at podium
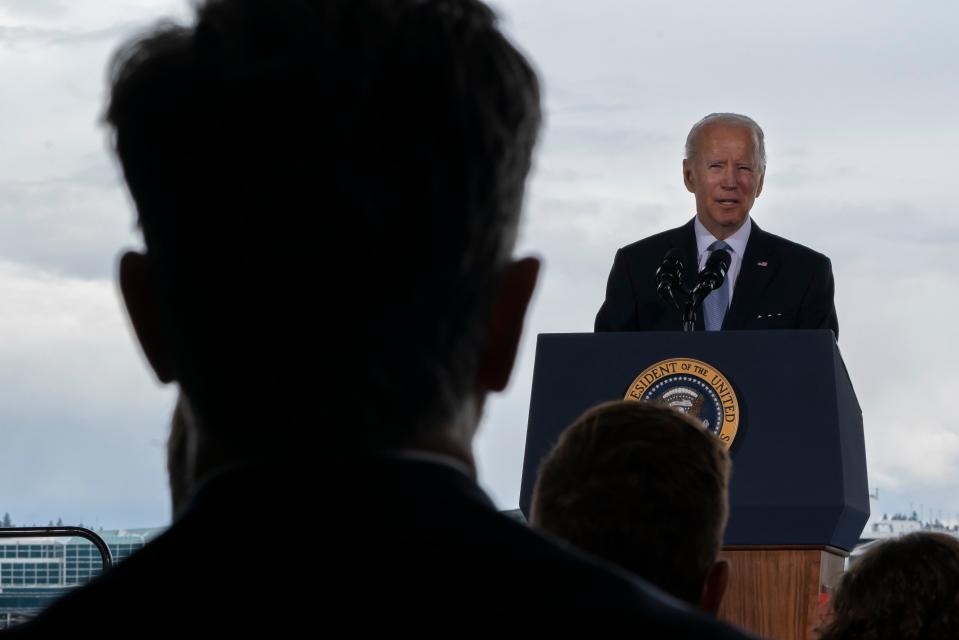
x: 771, y: 283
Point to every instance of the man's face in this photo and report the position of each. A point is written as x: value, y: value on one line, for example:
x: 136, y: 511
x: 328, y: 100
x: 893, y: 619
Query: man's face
x: 726, y: 176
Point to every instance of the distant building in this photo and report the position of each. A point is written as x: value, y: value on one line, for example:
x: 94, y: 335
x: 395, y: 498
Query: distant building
x: 881, y: 526
x: 36, y: 571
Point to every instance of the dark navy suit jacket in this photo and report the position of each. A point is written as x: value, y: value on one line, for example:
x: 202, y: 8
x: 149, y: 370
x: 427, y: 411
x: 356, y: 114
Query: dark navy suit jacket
x: 781, y: 285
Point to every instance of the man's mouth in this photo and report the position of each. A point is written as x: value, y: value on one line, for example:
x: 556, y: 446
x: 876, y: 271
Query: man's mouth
x: 728, y: 202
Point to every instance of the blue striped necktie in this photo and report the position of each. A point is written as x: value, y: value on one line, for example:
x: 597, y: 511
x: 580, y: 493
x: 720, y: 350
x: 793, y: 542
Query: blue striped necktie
x: 717, y: 302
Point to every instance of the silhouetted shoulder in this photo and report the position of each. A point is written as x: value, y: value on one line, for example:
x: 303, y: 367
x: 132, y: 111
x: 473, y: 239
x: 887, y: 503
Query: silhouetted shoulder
x: 585, y: 592
x: 393, y: 547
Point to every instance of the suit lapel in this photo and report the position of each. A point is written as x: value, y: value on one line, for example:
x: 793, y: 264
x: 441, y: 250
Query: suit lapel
x: 759, y: 267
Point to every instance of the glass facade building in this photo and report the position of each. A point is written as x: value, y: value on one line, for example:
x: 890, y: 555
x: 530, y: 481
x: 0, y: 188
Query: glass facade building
x: 36, y: 571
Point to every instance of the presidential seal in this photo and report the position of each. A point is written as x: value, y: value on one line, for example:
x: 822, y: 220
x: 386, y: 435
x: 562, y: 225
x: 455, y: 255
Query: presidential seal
x: 692, y: 387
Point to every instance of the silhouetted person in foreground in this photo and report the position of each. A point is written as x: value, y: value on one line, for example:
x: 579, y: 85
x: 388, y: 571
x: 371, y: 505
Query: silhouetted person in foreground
x: 329, y: 194
x: 185, y: 461
x: 645, y: 487
x: 901, y: 589
x: 177, y: 451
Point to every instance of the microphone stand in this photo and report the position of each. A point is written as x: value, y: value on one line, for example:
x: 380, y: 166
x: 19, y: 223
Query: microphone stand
x: 693, y: 300
x: 669, y: 281
x: 689, y: 316
x: 669, y: 284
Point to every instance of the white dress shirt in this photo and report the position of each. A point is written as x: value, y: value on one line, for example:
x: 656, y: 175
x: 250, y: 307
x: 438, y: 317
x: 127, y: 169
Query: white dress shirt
x: 737, y: 248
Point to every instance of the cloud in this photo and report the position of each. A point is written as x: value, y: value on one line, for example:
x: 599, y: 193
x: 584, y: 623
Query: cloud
x: 72, y: 226
x: 43, y: 9
x: 83, y: 420
x: 65, y: 22
x: 23, y: 36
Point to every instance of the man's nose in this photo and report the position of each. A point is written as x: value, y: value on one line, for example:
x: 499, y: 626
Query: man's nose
x: 729, y: 178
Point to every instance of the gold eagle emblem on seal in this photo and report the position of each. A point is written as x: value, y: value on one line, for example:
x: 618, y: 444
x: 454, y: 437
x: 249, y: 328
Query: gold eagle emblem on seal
x: 695, y: 388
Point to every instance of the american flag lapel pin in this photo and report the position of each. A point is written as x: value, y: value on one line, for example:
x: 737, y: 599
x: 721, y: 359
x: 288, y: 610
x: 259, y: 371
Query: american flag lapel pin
x: 762, y: 264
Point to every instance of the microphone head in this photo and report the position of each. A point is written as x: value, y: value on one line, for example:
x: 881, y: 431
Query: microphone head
x: 669, y: 276
x: 714, y: 272
x: 676, y: 260
x: 718, y: 263
x: 672, y: 267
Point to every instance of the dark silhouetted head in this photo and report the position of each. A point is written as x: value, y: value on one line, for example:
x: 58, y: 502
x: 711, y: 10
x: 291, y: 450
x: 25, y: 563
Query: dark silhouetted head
x: 901, y: 589
x: 329, y: 192
x: 645, y: 487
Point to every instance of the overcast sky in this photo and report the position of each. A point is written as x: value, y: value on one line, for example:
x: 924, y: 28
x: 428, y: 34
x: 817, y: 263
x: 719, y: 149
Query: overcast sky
x: 858, y: 101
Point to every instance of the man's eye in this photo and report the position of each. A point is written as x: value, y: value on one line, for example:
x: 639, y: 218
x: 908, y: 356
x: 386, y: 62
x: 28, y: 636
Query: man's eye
x: 749, y: 169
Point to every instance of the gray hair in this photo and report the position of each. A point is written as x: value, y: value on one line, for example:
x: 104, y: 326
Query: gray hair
x: 734, y: 119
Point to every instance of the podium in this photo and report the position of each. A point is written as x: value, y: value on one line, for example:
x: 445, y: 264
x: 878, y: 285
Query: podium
x: 798, y: 493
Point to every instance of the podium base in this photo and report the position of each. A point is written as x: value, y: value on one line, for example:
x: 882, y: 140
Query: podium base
x: 780, y: 592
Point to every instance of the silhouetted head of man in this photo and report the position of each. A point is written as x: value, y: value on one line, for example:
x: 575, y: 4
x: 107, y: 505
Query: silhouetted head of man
x: 329, y: 193
x: 900, y: 589
x: 645, y: 487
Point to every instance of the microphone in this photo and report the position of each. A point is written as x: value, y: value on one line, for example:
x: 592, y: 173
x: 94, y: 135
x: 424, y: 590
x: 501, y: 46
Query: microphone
x: 713, y: 274
x: 669, y: 277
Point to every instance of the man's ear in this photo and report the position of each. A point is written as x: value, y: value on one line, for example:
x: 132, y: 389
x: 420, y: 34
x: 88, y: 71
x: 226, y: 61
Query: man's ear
x: 762, y: 179
x: 143, y: 306
x: 506, y: 323
x: 688, y: 175
x: 714, y: 587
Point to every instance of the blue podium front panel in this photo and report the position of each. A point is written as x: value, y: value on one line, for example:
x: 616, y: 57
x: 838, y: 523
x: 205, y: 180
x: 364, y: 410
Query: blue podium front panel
x: 799, y: 471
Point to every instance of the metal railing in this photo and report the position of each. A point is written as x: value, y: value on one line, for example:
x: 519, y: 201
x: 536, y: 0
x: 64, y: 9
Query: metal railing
x: 62, y: 532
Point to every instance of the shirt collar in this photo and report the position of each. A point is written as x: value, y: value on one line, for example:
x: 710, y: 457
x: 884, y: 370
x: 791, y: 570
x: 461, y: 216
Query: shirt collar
x: 737, y: 241
x: 432, y: 457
